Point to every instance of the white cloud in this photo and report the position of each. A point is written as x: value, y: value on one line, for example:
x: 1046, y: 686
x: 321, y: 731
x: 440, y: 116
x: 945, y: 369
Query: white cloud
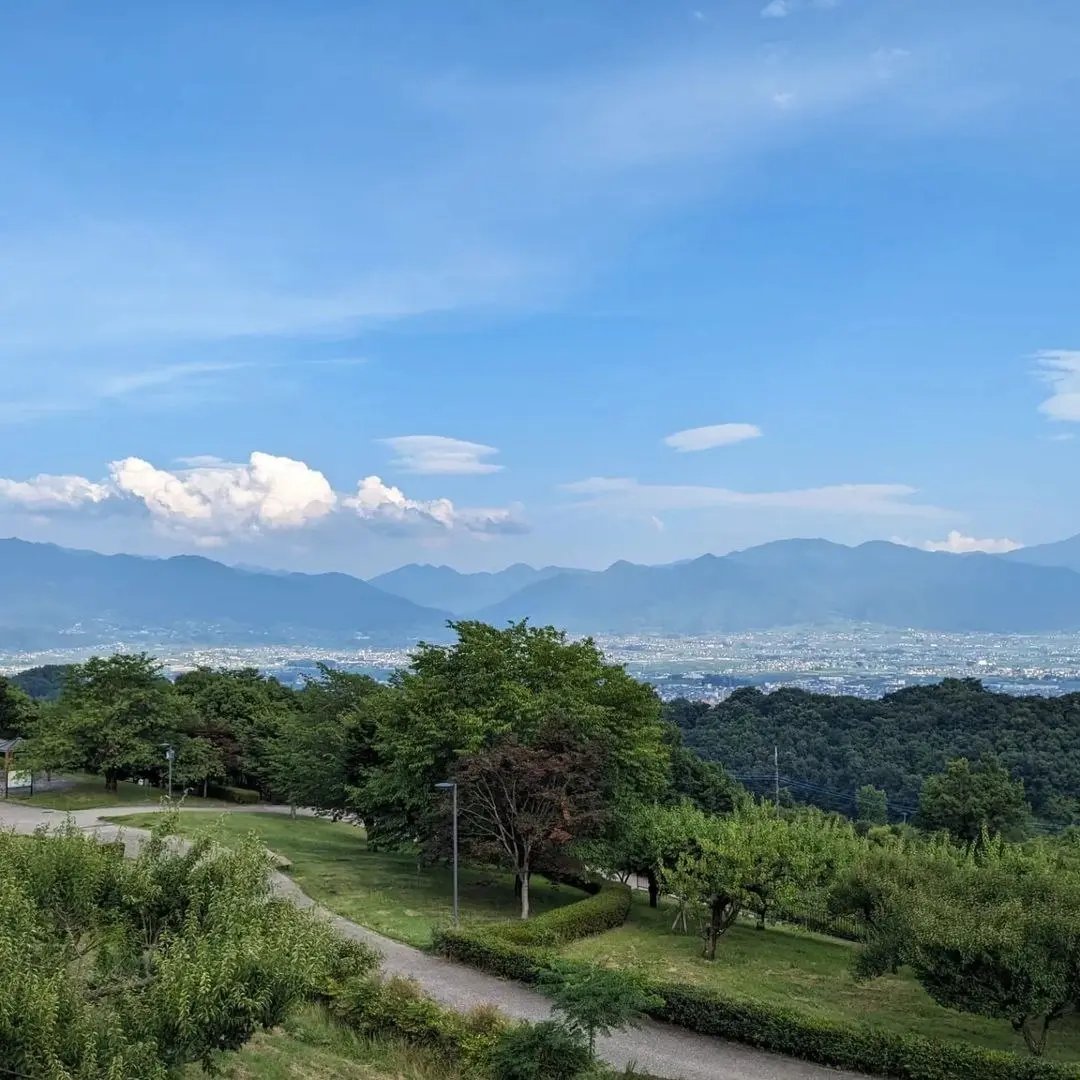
x: 46, y: 492
x: 440, y: 455
x: 267, y: 493
x: 1060, y: 370
x: 210, y: 501
x: 956, y: 543
x: 706, y: 438
x: 622, y: 493
x: 777, y: 9
x: 383, y: 505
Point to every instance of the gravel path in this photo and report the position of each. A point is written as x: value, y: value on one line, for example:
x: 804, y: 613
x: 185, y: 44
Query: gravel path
x: 658, y: 1049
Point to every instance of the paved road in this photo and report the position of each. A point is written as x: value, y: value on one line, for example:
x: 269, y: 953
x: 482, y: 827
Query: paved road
x: 659, y: 1049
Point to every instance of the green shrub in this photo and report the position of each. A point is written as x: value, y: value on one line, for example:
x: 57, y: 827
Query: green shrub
x: 605, y: 910
x: 545, y: 1051
x: 233, y: 794
x: 482, y: 947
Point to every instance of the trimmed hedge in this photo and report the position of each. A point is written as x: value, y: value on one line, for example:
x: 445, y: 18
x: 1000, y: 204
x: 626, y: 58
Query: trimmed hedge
x: 233, y: 794
x: 604, y: 910
x: 783, y: 1031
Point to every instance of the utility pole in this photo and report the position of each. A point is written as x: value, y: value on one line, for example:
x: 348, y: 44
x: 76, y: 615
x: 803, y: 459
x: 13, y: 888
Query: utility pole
x: 776, y: 774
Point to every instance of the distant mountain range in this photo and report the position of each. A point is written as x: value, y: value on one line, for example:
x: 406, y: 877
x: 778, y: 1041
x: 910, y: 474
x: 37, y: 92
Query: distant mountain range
x: 51, y: 596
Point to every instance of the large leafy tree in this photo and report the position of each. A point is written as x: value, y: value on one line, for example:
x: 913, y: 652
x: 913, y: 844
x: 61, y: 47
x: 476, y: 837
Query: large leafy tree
x: 967, y: 800
x: 17, y: 711
x: 323, y: 748
x: 496, y: 685
x: 113, y: 717
x: 241, y: 712
x: 117, y: 968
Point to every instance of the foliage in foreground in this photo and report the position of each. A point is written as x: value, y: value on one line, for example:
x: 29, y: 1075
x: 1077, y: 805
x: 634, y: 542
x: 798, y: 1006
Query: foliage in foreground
x: 123, y: 968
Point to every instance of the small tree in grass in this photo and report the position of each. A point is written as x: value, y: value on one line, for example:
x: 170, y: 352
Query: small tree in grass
x: 549, y: 1050
x: 522, y: 803
x: 596, y: 1000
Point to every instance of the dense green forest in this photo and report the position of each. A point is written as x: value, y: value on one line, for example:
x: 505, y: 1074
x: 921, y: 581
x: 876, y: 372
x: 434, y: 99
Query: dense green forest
x: 895, y: 742
x: 42, y: 683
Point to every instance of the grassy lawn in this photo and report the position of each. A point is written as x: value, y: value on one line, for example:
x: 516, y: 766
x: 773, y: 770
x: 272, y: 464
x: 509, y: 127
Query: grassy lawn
x: 801, y: 971
x: 88, y: 793
x: 310, y: 1047
x: 386, y: 892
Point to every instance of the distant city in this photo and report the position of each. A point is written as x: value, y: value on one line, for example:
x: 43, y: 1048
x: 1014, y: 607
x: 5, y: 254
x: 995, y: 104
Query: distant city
x: 861, y: 660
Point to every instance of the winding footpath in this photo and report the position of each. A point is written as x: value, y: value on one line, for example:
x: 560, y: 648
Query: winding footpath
x: 658, y: 1049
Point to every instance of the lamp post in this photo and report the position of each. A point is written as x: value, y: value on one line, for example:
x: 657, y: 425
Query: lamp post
x: 170, y: 756
x: 451, y: 786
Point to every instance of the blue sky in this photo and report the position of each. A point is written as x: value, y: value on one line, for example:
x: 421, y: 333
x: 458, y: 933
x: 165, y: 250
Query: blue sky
x: 458, y: 276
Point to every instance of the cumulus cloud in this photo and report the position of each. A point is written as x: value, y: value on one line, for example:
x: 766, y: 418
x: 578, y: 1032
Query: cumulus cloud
x: 267, y: 493
x: 1060, y: 370
x: 440, y: 455
x: 383, y: 505
x: 210, y: 501
x: 956, y: 543
x: 713, y: 435
x: 623, y: 493
x: 47, y: 492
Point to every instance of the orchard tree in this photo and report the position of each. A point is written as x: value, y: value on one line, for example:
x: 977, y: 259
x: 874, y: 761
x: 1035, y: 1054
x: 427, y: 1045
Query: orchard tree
x: 113, y: 717
x: 521, y: 804
x: 996, y: 936
x: 967, y: 801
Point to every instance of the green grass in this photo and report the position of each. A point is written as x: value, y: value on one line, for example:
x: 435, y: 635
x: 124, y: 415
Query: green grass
x: 802, y: 971
x: 88, y: 793
x: 386, y: 892
x: 309, y: 1046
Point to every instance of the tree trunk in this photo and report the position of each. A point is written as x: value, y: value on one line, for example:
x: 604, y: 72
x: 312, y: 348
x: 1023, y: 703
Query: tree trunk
x: 722, y: 913
x: 654, y: 889
x: 205, y: 786
x: 523, y: 877
x: 111, y: 781
x: 517, y: 887
x: 292, y: 810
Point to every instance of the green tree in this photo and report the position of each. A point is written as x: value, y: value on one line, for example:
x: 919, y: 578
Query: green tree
x: 871, y: 806
x: 323, y: 749
x: 994, y: 934
x: 596, y: 1000
x: 549, y: 1050
x: 967, y: 801
x: 112, y: 718
x: 18, y: 712
x: 492, y: 685
x: 241, y: 711
x: 753, y: 859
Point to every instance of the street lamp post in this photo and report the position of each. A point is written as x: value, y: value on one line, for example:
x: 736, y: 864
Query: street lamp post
x: 451, y: 786
x: 170, y: 756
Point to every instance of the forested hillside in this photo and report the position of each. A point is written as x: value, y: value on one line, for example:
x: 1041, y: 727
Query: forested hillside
x: 894, y: 742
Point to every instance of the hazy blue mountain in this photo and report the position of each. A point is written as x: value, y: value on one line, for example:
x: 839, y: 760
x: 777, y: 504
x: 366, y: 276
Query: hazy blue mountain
x: 53, y: 595
x: 448, y: 589
x: 1061, y: 553
x: 806, y: 581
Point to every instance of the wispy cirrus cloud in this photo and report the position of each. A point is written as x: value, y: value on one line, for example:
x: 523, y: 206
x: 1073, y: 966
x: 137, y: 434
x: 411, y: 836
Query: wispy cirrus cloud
x: 441, y: 455
x: 1060, y: 370
x: 711, y: 436
x: 623, y: 493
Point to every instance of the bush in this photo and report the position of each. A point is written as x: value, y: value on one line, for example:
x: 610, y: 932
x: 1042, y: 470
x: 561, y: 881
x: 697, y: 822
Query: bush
x: 545, y: 1051
x: 605, y: 910
x: 233, y: 794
